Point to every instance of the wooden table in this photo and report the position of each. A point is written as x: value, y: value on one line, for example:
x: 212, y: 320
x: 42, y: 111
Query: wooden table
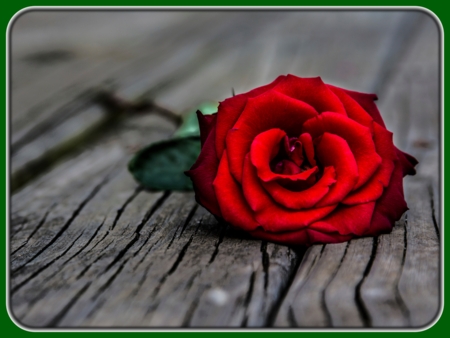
x: 89, y: 248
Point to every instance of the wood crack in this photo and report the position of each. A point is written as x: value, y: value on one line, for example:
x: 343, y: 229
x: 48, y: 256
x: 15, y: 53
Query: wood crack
x: 265, y: 263
x: 295, y: 261
x: 60, y: 316
x: 248, y: 296
x: 82, y: 273
x: 188, y: 219
x: 122, y: 252
x: 41, y: 222
x: 174, y: 265
x: 190, y: 312
x: 180, y: 257
x: 433, y: 211
x: 87, y: 243
x: 291, y: 318
x: 403, y: 308
x: 16, y: 224
x: 322, y: 250
x: 110, y: 280
x: 65, y: 226
x: 100, y: 240
x: 137, y: 233
x: 148, y: 251
x: 217, y: 244
x: 122, y: 208
x: 186, y: 222
x: 141, y: 281
x: 37, y: 272
x: 364, y: 313
x: 328, y: 318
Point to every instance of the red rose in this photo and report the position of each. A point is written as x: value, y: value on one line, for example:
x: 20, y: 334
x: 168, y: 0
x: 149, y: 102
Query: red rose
x: 299, y: 162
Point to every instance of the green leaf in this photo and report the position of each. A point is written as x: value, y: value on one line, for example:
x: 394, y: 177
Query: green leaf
x: 189, y: 126
x: 161, y: 165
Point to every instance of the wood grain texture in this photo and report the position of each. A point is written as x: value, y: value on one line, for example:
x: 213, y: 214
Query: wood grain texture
x: 379, y: 295
x: 89, y: 248
x: 171, y: 253
x: 419, y: 285
x: 53, y: 112
x: 305, y: 302
x: 373, y: 272
x: 342, y: 296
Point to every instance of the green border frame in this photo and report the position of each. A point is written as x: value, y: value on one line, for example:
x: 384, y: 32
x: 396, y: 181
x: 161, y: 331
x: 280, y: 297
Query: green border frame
x: 10, y: 9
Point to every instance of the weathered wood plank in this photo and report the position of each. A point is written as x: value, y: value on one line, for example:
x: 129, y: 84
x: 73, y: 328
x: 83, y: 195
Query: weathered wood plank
x: 81, y: 171
x: 157, y: 249
x: 98, y: 261
x: 90, y: 249
x: 304, y: 303
x: 66, y: 113
x: 419, y: 285
x: 365, y: 289
x: 342, y: 296
x: 379, y: 294
x: 300, y: 43
x: 102, y: 44
x: 49, y: 126
x: 415, y: 92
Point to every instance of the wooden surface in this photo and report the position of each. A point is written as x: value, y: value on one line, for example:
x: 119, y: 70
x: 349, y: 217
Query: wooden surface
x: 89, y: 248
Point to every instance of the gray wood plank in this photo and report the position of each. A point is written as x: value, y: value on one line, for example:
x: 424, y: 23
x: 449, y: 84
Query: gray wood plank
x: 300, y: 43
x: 342, y: 295
x: 48, y: 125
x: 82, y: 172
x: 41, y: 276
x: 382, y: 304
x: 420, y: 282
x: 414, y: 95
x: 159, y: 244
x: 102, y: 43
x: 89, y: 249
x: 304, y: 304
x: 56, y: 119
x: 365, y: 289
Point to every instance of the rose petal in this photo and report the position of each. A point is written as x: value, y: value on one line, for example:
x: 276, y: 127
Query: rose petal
x: 206, y: 123
x: 352, y: 107
x: 294, y: 150
x: 288, y: 238
x: 358, y: 137
x: 374, y: 187
x: 203, y: 173
x: 264, y: 148
x: 308, y: 145
x: 266, y: 111
x: 312, y: 91
x: 287, y: 168
x: 334, y: 151
x: 233, y: 206
x: 318, y: 237
x: 408, y: 162
x: 305, y: 237
x: 230, y: 109
x: 347, y: 220
x: 302, y: 199
x: 366, y: 102
x: 390, y: 206
x: 268, y: 214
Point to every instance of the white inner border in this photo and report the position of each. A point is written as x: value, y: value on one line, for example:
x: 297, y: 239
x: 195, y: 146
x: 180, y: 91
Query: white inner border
x: 233, y: 8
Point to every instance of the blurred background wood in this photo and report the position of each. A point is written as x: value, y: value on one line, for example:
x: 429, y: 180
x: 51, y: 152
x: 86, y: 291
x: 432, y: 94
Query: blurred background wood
x: 90, y: 249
